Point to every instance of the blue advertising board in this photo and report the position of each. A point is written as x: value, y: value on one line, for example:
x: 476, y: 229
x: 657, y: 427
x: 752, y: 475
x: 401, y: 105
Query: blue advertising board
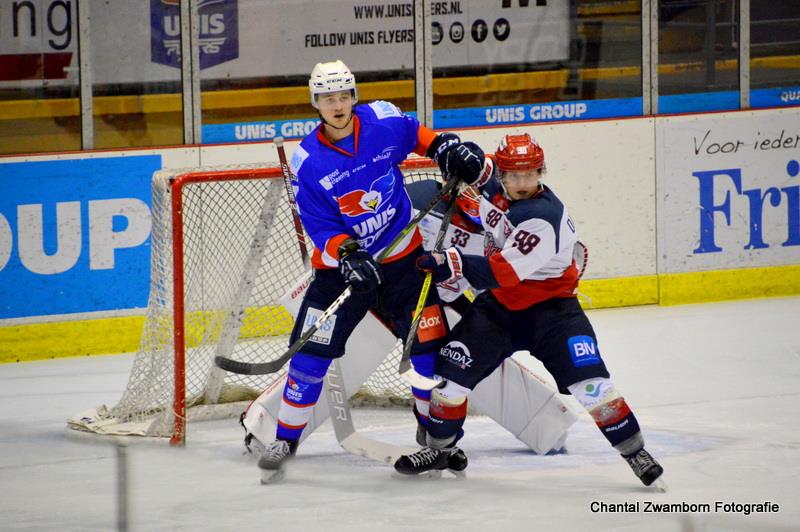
x: 442, y: 119
x: 75, y: 235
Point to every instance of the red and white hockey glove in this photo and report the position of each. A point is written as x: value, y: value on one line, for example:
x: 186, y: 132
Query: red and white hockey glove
x: 446, y: 267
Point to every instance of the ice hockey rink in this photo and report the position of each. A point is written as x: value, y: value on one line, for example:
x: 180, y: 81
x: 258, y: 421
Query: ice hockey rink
x: 715, y: 387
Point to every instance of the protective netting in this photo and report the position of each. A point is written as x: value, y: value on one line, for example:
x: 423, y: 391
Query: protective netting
x: 240, y: 256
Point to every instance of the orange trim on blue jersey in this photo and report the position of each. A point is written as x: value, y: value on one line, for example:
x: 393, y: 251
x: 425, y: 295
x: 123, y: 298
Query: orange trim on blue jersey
x: 324, y: 140
x: 333, y: 243
x: 319, y: 264
x: 332, y: 248
x: 416, y: 241
x: 425, y: 136
x: 316, y: 260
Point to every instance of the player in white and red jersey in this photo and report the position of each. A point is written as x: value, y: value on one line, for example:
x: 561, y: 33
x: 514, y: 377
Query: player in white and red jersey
x: 529, y: 303
x: 352, y: 202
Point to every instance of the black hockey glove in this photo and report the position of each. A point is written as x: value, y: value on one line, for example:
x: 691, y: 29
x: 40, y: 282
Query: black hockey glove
x: 358, y: 267
x: 456, y: 159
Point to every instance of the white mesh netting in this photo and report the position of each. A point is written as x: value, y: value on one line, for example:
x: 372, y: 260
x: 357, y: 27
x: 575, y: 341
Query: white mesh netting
x: 240, y: 255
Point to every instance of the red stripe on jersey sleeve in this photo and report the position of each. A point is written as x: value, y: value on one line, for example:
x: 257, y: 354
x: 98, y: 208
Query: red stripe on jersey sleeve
x: 503, y: 271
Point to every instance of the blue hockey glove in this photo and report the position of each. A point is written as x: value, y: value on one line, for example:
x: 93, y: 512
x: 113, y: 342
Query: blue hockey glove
x: 358, y: 267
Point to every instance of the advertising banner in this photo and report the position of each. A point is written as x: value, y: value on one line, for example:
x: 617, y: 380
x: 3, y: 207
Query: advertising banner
x: 74, y: 235
x: 728, y: 188
x: 139, y: 42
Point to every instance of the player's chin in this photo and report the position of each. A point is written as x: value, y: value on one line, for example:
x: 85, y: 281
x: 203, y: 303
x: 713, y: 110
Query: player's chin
x: 521, y: 194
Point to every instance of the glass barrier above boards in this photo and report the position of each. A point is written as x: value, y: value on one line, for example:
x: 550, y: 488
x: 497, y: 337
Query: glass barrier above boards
x: 498, y: 62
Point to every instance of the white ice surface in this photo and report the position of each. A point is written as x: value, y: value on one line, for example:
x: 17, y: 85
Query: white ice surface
x: 715, y: 387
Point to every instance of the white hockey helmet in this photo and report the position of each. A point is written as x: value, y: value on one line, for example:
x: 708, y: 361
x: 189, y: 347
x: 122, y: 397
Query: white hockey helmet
x: 333, y: 76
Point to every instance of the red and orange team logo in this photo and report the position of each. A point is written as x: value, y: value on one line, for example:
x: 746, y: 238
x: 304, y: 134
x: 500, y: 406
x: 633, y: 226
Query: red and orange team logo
x: 431, y: 324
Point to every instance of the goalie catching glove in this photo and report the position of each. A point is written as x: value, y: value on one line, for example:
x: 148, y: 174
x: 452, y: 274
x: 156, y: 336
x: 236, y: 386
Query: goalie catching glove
x: 358, y: 268
x: 446, y: 267
x: 456, y: 159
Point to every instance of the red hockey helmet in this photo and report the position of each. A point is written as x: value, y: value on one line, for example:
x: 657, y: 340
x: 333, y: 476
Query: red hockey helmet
x: 519, y: 152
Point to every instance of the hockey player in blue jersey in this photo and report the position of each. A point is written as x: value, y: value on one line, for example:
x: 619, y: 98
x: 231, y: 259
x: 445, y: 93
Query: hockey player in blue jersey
x: 352, y: 202
x: 529, y: 304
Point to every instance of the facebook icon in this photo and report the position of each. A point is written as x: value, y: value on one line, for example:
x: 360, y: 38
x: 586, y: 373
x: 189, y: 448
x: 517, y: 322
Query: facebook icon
x: 479, y: 30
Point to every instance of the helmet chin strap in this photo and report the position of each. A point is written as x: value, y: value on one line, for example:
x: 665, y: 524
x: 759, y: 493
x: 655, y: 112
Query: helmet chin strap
x: 334, y: 127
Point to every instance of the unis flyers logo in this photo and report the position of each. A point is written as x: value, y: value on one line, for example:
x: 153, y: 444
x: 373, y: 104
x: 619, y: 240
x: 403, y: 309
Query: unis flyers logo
x: 358, y: 202
x: 219, y: 32
x: 296, y: 386
x: 431, y: 324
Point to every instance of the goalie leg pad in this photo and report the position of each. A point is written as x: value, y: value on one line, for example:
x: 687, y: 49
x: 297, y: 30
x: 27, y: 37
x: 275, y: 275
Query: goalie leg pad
x: 610, y: 412
x: 300, y: 394
x: 447, y: 414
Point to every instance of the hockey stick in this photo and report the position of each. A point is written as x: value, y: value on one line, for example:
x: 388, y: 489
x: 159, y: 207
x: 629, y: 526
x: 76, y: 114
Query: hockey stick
x: 287, y: 182
x: 351, y: 441
x: 405, y: 368
x: 263, y: 368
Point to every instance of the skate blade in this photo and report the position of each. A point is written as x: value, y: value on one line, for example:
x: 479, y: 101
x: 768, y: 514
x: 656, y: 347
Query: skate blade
x: 426, y: 475
x: 434, y: 474
x: 460, y: 475
x: 271, y: 476
x: 659, y: 485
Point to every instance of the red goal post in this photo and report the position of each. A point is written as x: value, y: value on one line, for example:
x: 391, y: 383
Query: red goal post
x: 223, y: 253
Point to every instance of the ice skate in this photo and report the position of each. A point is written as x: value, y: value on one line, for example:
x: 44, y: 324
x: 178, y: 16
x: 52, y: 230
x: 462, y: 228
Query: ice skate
x: 431, y: 462
x: 646, y: 468
x: 273, y: 462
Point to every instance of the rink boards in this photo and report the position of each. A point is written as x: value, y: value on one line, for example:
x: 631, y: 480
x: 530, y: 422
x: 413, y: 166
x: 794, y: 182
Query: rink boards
x: 675, y: 209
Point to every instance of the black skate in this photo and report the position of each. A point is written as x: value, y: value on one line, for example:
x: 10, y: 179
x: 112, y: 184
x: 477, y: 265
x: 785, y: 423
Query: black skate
x: 432, y: 461
x: 272, y: 462
x: 645, y: 467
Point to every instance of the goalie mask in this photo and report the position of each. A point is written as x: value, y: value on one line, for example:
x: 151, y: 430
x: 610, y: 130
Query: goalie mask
x: 469, y: 203
x: 333, y: 76
x: 519, y: 152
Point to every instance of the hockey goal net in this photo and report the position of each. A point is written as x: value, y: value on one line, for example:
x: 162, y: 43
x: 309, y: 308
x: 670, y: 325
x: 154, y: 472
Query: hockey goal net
x: 223, y: 252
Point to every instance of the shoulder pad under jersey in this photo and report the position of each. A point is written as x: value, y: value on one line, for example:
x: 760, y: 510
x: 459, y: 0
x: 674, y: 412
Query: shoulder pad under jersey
x: 384, y: 109
x: 298, y: 158
x: 546, y: 206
